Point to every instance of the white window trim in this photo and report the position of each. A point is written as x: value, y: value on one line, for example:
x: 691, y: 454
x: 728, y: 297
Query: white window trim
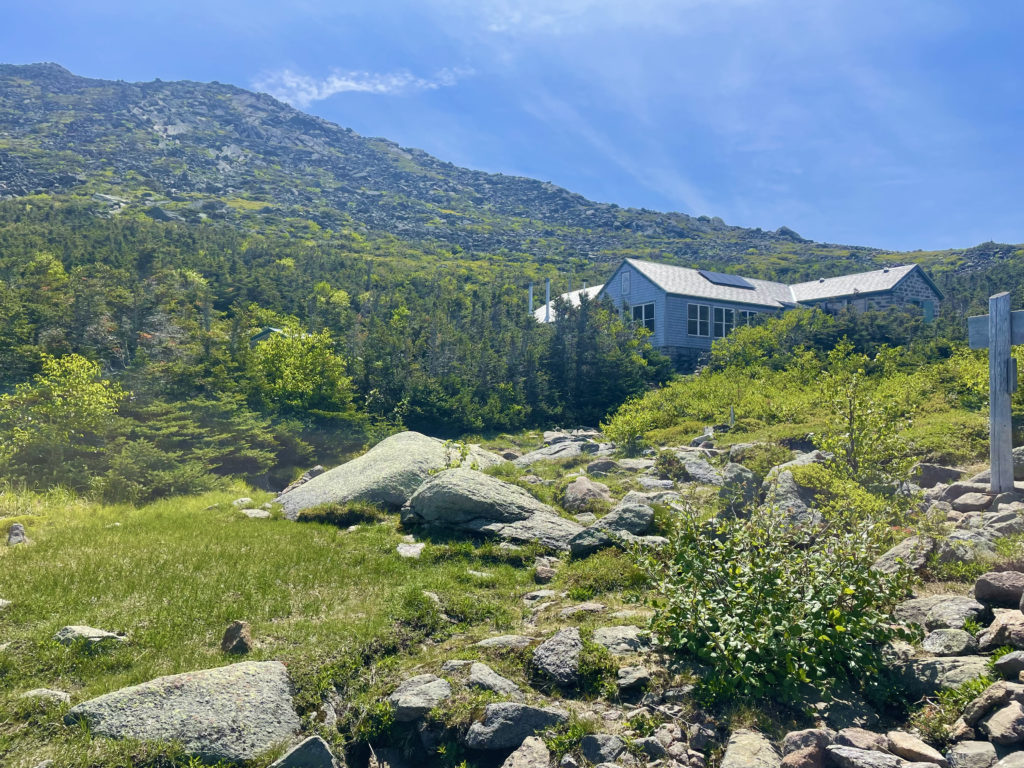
x: 698, y: 306
x: 642, y: 320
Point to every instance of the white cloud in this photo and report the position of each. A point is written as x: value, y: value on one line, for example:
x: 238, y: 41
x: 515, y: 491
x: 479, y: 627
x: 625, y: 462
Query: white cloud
x: 301, y: 90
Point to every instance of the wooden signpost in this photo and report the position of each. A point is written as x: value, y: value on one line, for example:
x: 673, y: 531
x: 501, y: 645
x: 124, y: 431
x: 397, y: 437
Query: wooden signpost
x: 998, y: 331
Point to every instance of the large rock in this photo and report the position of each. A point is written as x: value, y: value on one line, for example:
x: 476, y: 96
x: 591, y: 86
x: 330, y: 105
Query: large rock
x: 930, y: 475
x: 230, y: 713
x: 482, y: 676
x: 388, y: 474
x: 794, y: 501
x: 622, y: 640
x: 563, y: 450
x: 699, y: 471
x: 418, y: 695
x: 533, y: 753
x: 627, y: 519
x: 1007, y: 629
x: 911, y: 748
x: 310, y: 753
x: 466, y: 500
x: 601, y: 747
x: 1005, y: 725
x: 911, y: 553
x: 582, y: 493
x: 972, y: 754
x: 862, y: 739
x: 851, y: 757
x: 949, y: 642
x: 558, y: 657
x: 506, y: 725
x: 941, y: 611
x: 928, y: 676
x: 1010, y: 664
x: 750, y: 749
x: 1000, y: 588
x: 996, y: 695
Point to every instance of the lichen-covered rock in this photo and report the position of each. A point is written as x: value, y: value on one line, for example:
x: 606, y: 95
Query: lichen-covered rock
x: 237, y: 638
x: 388, y: 474
x: 750, y: 749
x: 851, y: 757
x: 927, y: 676
x: 602, y: 747
x: 911, y: 553
x: 506, y: 725
x: 516, y: 642
x: 1010, y: 664
x: 949, y: 642
x: 623, y: 639
x: 482, y: 676
x: 532, y: 753
x: 310, y: 753
x: 418, y: 695
x: 229, y: 713
x: 628, y: 519
x: 16, y: 535
x: 862, y: 739
x: 941, y: 611
x: 972, y: 754
x: 583, y: 492
x: 558, y: 657
x: 470, y: 501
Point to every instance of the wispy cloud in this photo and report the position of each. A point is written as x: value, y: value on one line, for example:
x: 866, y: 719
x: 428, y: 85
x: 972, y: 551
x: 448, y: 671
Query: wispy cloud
x: 301, y: 90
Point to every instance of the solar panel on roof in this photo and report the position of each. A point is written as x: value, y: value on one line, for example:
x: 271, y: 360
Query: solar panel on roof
x: 720, y: 278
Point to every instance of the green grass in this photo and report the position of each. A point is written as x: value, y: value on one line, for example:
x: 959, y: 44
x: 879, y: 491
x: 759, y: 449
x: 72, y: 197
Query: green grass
x: 173, y: 574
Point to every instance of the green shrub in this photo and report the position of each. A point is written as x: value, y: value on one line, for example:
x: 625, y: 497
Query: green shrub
x: 760, y: 458
x: 669, y: 465
x: 935, y: 719
x: 565, y: 739
x: 609, y: 570
x: 343, y: 515
x: 770, y: 606
x: 598, y: 671
x: 141, y: 472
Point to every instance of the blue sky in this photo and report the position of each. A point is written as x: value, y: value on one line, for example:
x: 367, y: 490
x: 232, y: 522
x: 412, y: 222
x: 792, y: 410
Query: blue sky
x: 896, y: 123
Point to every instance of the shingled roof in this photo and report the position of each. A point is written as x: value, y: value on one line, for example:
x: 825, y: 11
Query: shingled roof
x: 854, y: 285
x: 683, y: 281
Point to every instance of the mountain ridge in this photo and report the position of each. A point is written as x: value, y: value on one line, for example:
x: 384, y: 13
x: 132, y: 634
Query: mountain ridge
x: 192, y: 151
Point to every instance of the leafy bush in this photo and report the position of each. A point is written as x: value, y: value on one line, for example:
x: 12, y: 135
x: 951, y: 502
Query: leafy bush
x: 669, y: 465
x: 935, y: 719
x: 770, y: 606
x: 598, y: 670
x: 760, y: 458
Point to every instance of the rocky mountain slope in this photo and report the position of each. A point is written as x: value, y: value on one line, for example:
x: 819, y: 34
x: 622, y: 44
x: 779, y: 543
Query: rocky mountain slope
x: 192, y: 151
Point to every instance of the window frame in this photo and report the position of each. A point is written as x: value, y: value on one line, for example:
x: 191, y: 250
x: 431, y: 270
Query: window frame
x: 720, y: 327
x: 694, y: 321
x: 647, y: 315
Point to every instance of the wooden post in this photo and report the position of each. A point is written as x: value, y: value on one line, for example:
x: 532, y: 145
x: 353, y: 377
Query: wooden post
x: 1000, y: 363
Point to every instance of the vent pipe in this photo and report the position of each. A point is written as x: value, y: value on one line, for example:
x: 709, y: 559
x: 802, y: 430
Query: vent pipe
x: 531, y: 298
x: 547, y: 299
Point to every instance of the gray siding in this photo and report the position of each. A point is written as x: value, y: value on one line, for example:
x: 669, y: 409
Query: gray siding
x: 641, y: 291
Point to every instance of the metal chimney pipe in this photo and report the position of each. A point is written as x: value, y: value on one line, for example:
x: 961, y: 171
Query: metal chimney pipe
x: 547, y: 299
x: 531, y: 298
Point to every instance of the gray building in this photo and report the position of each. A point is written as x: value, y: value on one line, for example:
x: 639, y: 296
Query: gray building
x: 686, y: 309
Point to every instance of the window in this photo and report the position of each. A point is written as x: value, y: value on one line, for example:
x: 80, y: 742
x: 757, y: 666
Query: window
x: 725, y: 321
x: 625, y: 283
x: 698, y: 319
x: 745, y: 316
x: 643, y: 314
